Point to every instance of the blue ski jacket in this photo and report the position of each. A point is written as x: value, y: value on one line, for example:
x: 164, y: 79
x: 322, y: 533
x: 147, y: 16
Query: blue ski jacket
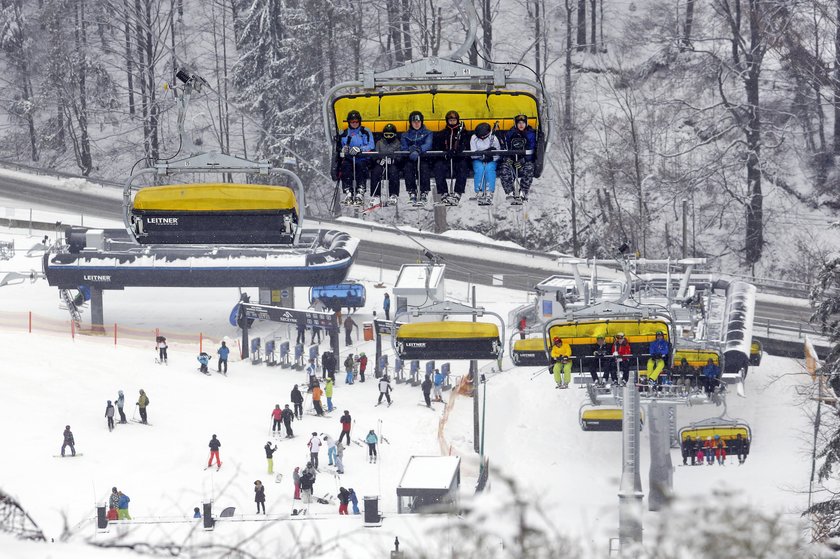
x: 223, y: 352
x: 360, y: 138
x: 416, y: 141
x: 514, y: 137
x: 660, y: 348
x: 711, y: 371
x: 371, y: 438
x: 123, y: 502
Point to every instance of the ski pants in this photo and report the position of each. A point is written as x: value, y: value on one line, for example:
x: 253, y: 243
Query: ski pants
x: 371, y: 449
x: 72, y: 448
x: 214, y: 454
x: 457, y: 168
x: 389, y: 172
x: 349, y: 378
x: 562, y: 372
x: 428, y: 399
x: 306, y: 496
x: 270, y: 465
x: 221, y: 363
x: 122, y: 514
x: 275, y: 425
x: 339, y: 464
x: 259, y: 505
x: 345, y: 434
x: 410, y: 173
x: 299, y: 410
x: 525, y: 174
x: 438, y: 395
x: 297, y: 490
x: 288, y: 426
x: 654, y: 367
x: 331, y: 454
x: 329, y: 404
x: 356, y: 508
x: 386, y: 396
x: 484, y: 176
x: 348, y: 341
x: 317, y: 405
x: 110, y: 423
x: 342, y: 508
x: 313, y: 457
x: 122, y: 415
x: 360, y: 168
x: 143, y: 417
x: 162, y: 354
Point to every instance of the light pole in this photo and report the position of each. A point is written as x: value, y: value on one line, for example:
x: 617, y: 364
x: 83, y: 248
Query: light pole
x: 642, y: 221
x: 483, y: 415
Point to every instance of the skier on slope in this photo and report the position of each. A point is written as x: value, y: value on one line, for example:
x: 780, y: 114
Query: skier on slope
x: 269, y: 456
x: 296, y: 479
x: 162, y: 347
x: 314, y: 445
x: 143, y: 403
x: 204, y: 359
x: 276, y: 416
x: 346, y: 424
x: 363, y: 361
x: 288, y: 416
x: 348, y: 369
x: 371, y: 441
x: 384, y: 390
x: 339, y: 458
x: 121, y: 405
x: 427, y: 390
x: 343, y: 500
x: 109, y: 415
x: 331, y: 450
x: 69, y: 440
x: 223, y: 352
x: 439, y: 378
x: 307, y: 486
x: 354, y: 500
x: 297, y: 400
x: 214, y: 452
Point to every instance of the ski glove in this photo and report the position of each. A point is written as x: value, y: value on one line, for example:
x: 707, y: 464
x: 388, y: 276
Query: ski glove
x: 355, y: 151
x: 488, y: 157
x: 383, y: 161
x: 517, y: 165
x: 414, y: 155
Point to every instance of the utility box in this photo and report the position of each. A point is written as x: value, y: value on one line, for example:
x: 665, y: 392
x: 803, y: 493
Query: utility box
x: 419, y: 285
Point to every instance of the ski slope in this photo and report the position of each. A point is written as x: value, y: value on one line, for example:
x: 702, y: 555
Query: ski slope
x: 532, y: 434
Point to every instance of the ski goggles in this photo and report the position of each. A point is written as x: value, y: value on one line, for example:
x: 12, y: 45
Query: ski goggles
x: 389, y: 135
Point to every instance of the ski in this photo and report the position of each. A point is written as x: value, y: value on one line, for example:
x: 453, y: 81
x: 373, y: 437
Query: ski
x: 78, y: 454
x: 219, y: 467
x: 141, y: 423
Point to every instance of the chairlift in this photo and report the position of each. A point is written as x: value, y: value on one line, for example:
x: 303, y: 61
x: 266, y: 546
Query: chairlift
x: 604, y: 418
x: 448, y: 339
x: 726, y: 428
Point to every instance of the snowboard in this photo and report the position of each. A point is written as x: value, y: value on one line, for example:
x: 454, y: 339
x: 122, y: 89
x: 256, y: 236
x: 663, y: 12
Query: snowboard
x: 278, y: 478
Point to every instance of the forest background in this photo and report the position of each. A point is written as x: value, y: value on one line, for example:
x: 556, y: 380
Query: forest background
x: 686, y: 129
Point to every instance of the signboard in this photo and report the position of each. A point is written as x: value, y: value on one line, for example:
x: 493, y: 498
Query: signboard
x: 386, y: 327
x: 290, y: 316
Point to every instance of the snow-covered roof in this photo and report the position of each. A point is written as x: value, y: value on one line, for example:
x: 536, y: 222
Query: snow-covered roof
x: 413, y: 278
x: 430, y: 472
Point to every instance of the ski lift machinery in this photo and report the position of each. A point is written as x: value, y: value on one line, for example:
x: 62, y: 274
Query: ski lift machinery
x: 435, y: 86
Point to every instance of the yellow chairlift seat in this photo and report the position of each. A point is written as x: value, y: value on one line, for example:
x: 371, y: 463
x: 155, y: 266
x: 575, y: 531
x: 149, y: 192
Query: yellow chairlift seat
x: 529, y: 352
x: 448, y: 340
x: 215, y: 213
x: 697, y: 358
x: 755, y: 353
x: 726, y: 429
x: 604, y: 418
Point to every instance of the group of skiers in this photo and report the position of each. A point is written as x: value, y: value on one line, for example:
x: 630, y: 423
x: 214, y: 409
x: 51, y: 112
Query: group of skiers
x: 452, y: 147
x: 610, y: 358
x: 714, y: 449
x: 118, y: 505
x: 118, y: 406
x: 204, y: 360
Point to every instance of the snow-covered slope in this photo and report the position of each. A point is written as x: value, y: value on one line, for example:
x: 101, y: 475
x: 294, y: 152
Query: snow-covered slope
x: 50, y: 380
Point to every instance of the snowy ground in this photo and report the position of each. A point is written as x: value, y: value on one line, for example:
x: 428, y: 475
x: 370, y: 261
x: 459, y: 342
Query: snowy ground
x: 532, y: 434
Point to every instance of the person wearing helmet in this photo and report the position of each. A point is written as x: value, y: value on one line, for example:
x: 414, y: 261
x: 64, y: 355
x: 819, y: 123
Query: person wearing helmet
x: 452, y: 140
x: 521, y: 138
x: 484, y: 164
x: 417, y: 140
x: 386, y: 166
x: 622, y: 351
x: 354, y: 141
x: 561, y: 362
x: 659, y: 351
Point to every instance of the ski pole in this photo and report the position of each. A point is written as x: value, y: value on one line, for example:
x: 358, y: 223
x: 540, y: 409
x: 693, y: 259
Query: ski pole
x: 541, y: 371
